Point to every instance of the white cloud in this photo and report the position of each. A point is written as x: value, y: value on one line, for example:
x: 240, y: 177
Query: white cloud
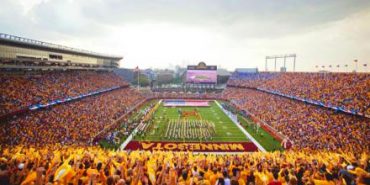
x: 228, y: 33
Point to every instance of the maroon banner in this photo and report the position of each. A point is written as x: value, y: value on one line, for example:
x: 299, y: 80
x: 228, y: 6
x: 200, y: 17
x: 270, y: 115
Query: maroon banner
x: 193, y: 146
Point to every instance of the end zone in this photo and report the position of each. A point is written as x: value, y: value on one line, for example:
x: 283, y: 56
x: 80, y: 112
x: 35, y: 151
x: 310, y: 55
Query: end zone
x: 193, y: 146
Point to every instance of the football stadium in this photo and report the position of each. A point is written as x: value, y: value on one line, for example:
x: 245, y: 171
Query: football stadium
x: 180, y: 105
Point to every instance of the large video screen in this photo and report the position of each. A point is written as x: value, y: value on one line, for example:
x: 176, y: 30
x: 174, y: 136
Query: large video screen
x: 201, y: 76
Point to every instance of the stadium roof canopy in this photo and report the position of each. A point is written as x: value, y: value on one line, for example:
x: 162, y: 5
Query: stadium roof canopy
x: 35, y: 44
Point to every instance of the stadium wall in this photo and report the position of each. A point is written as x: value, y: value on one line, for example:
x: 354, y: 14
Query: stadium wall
x: 12, y: 52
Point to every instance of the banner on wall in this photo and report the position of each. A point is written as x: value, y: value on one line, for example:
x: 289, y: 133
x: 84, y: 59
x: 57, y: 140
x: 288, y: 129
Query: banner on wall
x: 193, y: 146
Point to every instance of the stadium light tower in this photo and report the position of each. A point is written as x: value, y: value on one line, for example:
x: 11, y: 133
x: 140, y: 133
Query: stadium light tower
x: 275, y: 57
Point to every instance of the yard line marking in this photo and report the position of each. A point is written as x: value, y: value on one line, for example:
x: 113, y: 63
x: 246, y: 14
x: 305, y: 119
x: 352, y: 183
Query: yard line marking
x: 259, y: 146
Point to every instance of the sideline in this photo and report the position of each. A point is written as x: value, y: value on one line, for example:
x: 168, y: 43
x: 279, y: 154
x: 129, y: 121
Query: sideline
x: 259, y: 146
x: 131, y: 136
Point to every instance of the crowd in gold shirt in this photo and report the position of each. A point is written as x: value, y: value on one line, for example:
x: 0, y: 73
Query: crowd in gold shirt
x: 21, y: 90
x: 92, y: 165
x: 347, y: 90
x: 307, y: 126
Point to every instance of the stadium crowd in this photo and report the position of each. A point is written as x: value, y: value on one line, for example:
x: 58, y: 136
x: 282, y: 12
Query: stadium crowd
x: 347, y: 90
x: 71, y: 123
x: 18, y: 91
x: 92, y: 166
x: 47, y: 146
x: 308, y: 126
x: 251, y: 80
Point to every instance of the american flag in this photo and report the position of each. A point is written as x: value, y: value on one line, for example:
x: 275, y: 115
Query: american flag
x: 136, y: 69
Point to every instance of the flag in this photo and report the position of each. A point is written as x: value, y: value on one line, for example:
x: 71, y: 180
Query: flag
x: 62, y: 171
x: 136, y: 69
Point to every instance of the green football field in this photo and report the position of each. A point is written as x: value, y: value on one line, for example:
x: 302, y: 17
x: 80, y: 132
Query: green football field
x: 226, y: 130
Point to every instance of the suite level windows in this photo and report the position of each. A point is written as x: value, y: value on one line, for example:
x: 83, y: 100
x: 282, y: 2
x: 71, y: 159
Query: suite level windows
x: 56, y: 57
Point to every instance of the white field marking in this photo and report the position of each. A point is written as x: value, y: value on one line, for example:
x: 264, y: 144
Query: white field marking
x: 131, y: 136
x: 259, y: 146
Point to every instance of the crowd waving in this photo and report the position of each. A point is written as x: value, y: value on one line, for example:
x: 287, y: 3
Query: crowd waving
x: 96, y: 166
x: 49, y: 146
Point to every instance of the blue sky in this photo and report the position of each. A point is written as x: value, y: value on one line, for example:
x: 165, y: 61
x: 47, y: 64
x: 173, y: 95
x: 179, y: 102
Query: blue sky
x: 229, y: 33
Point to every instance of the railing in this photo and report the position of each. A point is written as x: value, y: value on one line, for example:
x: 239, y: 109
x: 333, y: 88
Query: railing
x: 13, y: 38
x: 55, y: 102
x: 318, y: 103
x: 67, y: 99
x: 305, y: 100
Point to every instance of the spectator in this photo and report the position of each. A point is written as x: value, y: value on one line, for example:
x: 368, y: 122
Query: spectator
x: 20, y: 91
x: 84, y: 165
x: 307, y: 126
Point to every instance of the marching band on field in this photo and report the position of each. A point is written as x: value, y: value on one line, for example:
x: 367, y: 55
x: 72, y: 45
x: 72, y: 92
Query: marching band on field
x: 190, y: 129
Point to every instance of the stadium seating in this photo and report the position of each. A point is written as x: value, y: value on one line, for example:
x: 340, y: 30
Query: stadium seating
x: 91, y: 165
x: 308, y: 126
x: 252, y: 80
x: 70, y: 123
x: 22, y: 90
x: 346, y: 90
x: 51, y: 145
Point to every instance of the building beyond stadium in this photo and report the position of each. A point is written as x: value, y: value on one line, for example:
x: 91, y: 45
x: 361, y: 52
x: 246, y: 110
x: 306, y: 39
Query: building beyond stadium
x: 22, y: 53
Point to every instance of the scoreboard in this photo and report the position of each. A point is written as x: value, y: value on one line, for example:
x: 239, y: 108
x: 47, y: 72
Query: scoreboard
x: 201, y: 74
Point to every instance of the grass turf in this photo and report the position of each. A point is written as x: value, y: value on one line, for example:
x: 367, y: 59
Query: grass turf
x: 226, y: 130
x: 264, y: 138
